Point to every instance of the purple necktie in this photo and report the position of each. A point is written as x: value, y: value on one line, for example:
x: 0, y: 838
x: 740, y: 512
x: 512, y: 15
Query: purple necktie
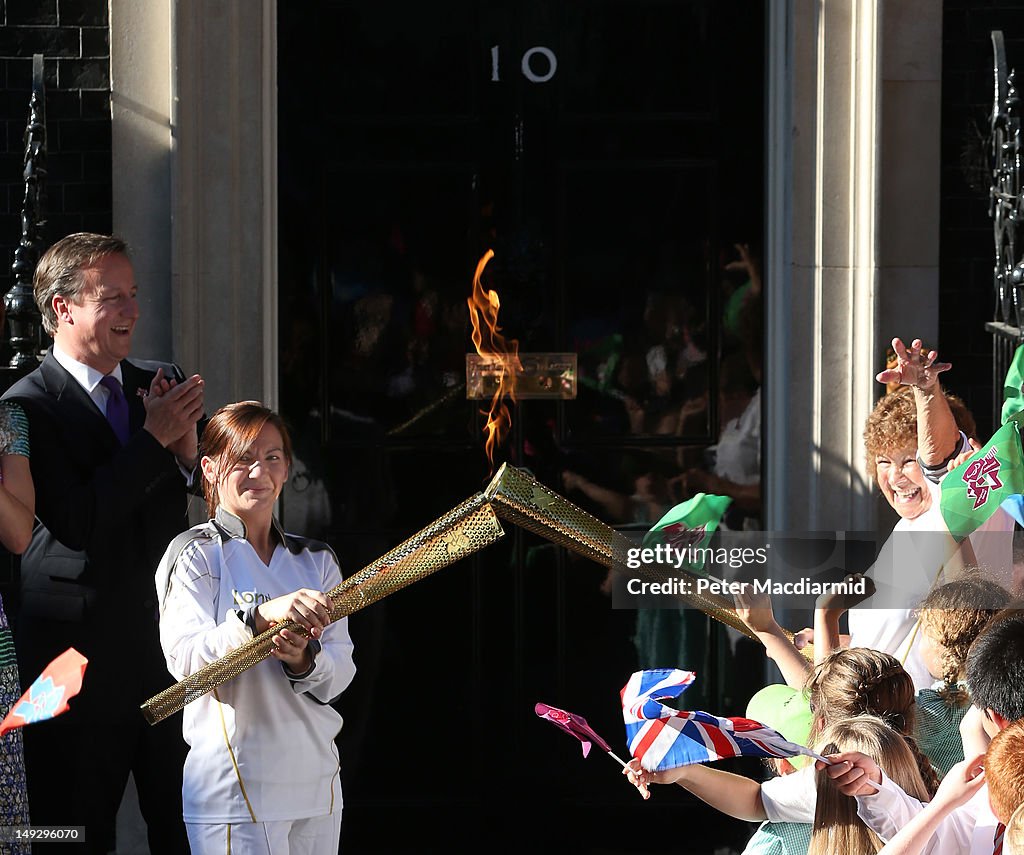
x: 117, y: 408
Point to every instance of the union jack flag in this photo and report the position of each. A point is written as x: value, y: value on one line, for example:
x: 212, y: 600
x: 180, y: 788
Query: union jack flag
x: 661, y: 737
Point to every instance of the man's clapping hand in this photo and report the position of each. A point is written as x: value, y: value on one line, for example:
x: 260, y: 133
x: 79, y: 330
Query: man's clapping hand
x: 172, y: 411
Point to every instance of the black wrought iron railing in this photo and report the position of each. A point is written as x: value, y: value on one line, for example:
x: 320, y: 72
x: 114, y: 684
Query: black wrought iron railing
x: 1006, y: 208
x: 24, y: 324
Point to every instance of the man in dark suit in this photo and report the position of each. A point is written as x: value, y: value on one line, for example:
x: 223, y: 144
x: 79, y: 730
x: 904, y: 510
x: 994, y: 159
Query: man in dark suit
x: 113, y: 446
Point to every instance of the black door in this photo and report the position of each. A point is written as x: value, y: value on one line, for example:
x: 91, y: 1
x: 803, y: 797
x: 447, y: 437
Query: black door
x: 610, y: 153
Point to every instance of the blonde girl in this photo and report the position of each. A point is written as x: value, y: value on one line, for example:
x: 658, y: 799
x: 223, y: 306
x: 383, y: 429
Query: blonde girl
x: 837, y: 827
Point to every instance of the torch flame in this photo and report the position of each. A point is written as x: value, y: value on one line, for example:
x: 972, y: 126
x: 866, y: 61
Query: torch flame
x: 492, y: 347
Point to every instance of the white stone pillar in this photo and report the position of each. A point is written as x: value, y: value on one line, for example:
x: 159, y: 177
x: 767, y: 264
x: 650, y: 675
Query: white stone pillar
x: 852, y: 238
x: 140, y: 83
x: 225, y: 196
x: 819, y: 322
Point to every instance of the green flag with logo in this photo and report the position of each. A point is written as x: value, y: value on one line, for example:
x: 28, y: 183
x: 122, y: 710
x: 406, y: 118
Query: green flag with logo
x: 682, y: 634
x: 973, y: 491
x: 1013, y: 387
x: 691, y: 523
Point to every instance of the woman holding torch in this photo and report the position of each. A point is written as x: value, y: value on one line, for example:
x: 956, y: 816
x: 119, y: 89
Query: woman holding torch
x: 262, y: 773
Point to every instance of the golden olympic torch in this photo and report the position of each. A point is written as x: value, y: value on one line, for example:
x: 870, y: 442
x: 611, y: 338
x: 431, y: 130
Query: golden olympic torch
x: 515, y: 496
x: 461, y: 532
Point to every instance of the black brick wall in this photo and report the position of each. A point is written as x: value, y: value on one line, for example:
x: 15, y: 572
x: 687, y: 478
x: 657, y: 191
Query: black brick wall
x: 74, y: 38
x: 966, y: 253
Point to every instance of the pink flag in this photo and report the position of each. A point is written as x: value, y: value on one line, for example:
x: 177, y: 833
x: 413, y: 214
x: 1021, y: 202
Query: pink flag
x: 48, y: 696
x: 575, y: 725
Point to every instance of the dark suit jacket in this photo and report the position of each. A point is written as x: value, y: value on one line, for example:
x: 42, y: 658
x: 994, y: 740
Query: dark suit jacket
x: 107, y: 513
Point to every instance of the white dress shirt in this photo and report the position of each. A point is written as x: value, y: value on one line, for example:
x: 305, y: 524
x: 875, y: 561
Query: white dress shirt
x: 89, y: 378
x: 792, y: 797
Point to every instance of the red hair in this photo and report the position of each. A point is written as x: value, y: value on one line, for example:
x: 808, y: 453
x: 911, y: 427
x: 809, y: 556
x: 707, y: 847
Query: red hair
x: 228, y: 436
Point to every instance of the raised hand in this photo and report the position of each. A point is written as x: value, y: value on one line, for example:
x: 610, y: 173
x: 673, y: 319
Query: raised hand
x: 744, y: 262
x: 914, y: 366
x: 972, y: 732
x: 961, y: 782
x: 172, y: 409
x: 836, y: 603
x: 755, y: 610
